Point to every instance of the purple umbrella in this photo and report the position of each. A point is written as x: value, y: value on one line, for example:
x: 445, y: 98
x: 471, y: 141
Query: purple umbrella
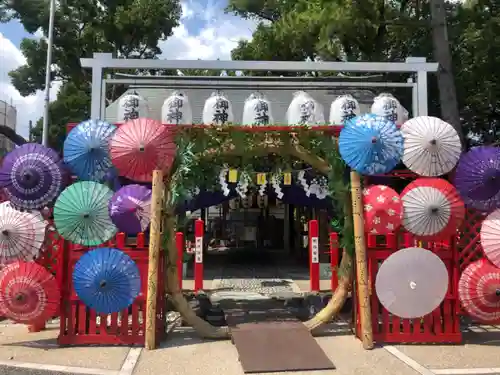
x: 32, y: 176
x: 130, y: 207
x: 477, y: 178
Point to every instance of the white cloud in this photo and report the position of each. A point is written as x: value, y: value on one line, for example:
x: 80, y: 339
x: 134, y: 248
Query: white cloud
x: 216, y: 38
x: 28, y: 108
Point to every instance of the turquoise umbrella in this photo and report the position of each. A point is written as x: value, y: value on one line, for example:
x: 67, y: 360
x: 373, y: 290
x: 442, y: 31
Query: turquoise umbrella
x: 81, y: 214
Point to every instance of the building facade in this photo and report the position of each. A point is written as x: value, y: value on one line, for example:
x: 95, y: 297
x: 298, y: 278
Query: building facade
x: 8, y: 117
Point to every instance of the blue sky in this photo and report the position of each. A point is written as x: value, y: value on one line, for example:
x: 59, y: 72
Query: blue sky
x: 14, y: 31
x: 205, y: 33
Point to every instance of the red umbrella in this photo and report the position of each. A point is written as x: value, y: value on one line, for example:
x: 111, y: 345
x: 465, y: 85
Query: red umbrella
x: 28, y: 293
x: 383, y: 209
x: 432, y: 208
x: 140, y: 146
x: 479, y: 291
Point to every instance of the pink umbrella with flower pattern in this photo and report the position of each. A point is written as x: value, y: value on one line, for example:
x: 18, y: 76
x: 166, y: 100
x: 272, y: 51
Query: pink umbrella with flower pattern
x: 383, y: 210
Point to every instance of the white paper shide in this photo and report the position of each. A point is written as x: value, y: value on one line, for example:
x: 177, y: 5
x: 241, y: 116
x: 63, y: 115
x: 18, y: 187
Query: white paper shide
x: 217, y: 110
x: 304, y: 110
x: 131, y: 106
x: 257, y: 111
x: 388, y: 106
x: 343, y: 109
x: 176, y: 110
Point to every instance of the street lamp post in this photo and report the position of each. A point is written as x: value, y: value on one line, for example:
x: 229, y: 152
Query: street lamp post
x: 45, y: 133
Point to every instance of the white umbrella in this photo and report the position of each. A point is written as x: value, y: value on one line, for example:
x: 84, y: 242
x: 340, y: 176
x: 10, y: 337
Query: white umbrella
x: 21, y: 234
x: 412, y: 282
x: 431, y: 146
x: 431, y: 208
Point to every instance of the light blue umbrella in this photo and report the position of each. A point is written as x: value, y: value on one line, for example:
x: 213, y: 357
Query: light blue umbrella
x: 86, y: 149
x: 371, y: 144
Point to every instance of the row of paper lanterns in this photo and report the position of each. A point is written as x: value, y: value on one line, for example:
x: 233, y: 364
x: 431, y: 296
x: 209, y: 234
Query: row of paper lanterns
x: 218, y: 110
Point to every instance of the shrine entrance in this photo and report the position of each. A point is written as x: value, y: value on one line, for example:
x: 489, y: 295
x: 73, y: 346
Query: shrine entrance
x: 244, y: 148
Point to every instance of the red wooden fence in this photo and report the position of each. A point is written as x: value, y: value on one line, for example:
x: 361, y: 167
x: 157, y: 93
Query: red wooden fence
x: 80, y: 325
x: 440, y: 326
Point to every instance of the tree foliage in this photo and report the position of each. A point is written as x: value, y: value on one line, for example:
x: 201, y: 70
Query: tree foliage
x: 127, y: 28
x: 378, y: 30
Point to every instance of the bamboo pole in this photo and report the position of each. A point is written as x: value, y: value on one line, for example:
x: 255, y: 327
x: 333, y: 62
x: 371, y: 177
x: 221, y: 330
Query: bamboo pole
x: 154, y: 257
x: 361, y: 262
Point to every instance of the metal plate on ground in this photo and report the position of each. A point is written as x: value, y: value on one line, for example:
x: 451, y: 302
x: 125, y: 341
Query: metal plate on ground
x: 278, y: 346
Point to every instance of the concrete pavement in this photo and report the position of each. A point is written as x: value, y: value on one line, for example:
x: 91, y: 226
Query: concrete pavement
x: 23, y: 353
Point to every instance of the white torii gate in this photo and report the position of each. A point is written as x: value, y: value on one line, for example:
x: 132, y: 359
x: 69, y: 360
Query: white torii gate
x: 416, y: 65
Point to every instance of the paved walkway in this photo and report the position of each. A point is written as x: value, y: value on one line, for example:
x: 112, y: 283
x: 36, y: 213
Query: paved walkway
x: 23, y: 353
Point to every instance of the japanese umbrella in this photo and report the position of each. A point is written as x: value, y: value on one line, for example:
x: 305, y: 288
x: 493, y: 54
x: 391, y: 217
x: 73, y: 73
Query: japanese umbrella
x: 490, y: 237
x: 432, y: 207
x: 32, y: 176
x: 38, y: 214
x: 86, y: 149
x: 28, y: 293
x: 479, y: 291
x: 371, y: 144
x: 432, y: 147
x: 106, y: 280
x: 140, y: 146
x: 383, y: 210
x: 130, y: 208
x: 21, y: 234
x: 81, y: 213
x: 477, y: 178
x: 412, y: 282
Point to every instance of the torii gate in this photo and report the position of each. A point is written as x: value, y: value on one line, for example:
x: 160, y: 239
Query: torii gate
x: 418, y: 82
x: 416, y: 65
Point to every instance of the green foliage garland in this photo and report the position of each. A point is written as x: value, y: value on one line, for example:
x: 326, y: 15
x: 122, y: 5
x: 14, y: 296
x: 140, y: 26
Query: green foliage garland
x: 202, y: 151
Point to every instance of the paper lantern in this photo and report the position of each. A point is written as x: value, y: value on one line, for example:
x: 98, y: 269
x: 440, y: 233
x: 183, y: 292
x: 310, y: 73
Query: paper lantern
x: 388, y: 106
x: 344, y: 108
x: 176, y: 110
x: 217, y: 110
x: 257, y: 111
x: 131, y: 106
x: 304, y: 110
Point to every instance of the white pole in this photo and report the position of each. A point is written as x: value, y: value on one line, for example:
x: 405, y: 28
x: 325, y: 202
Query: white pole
x: 45, y: 134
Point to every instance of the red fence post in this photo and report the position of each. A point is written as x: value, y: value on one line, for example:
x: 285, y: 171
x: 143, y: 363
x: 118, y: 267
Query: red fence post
x: 198, y: 255
x: 179, y: 243
x: 334, y: 259
x: 314, y: 255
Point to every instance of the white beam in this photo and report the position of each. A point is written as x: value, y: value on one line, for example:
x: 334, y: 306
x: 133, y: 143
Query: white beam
x: 105, y: 60
x: 302, y: 84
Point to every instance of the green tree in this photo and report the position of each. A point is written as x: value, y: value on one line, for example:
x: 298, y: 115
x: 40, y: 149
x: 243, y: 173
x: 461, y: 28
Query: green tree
x: 127, y: 28
x: 475, y: 48
x: 377, y: 30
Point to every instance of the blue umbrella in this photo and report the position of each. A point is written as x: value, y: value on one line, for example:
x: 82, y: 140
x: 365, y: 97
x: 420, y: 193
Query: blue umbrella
x: 86, y: 149
x: 106, y: 280
x: 371, y: 144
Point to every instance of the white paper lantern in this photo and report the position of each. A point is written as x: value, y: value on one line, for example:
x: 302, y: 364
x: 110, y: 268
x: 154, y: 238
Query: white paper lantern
x: 217, y: 110
x: 388, y: 106
x: 131, y: 106
x: 344, y: 108
x: 257, y: 111
x: 176, y: 110
x: 304, y: 110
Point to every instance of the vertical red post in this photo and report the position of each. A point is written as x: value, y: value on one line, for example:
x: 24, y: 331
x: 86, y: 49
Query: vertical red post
x: 198, y: 255
x: 314, y: 255
x: 179, y: 243
x: 334, y: 259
